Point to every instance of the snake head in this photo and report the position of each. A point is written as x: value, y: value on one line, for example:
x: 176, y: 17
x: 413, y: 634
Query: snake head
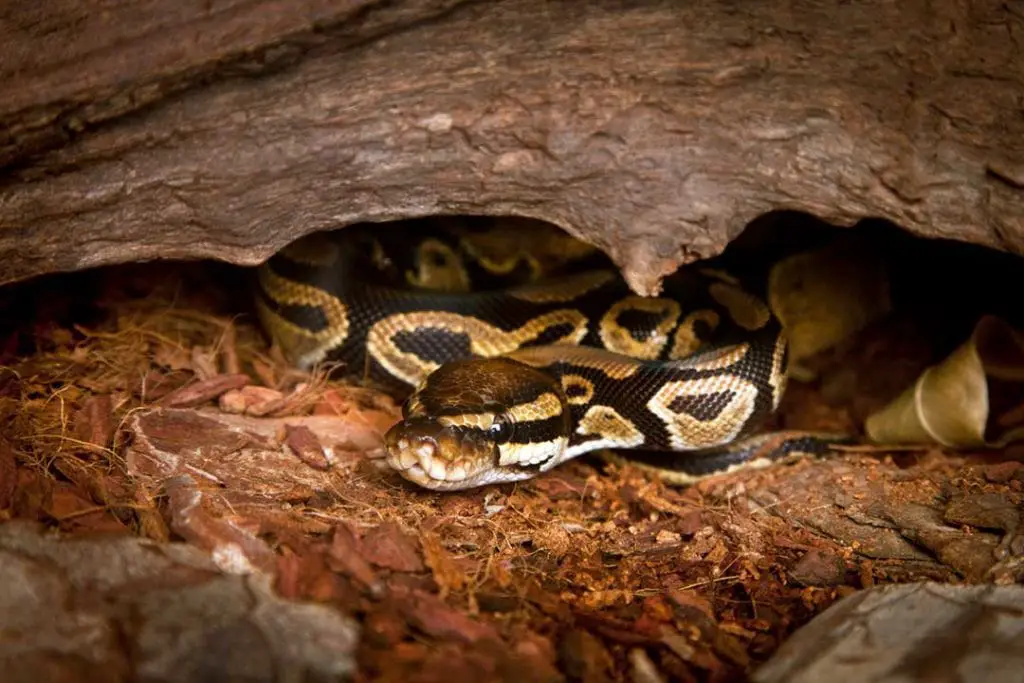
x: 478, y: 422
x: 438, y: 456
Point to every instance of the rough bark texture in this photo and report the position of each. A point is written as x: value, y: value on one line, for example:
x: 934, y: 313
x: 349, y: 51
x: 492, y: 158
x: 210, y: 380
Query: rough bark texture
x: 654, y: 129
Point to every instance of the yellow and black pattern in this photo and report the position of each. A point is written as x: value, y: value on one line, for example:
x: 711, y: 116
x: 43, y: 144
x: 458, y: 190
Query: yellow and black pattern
x: 513, y: 373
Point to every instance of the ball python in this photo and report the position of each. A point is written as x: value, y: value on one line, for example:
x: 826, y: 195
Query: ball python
x: 547, y: 360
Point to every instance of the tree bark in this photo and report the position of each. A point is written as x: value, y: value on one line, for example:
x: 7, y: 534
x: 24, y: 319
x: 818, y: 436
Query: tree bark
x: 655, y: 129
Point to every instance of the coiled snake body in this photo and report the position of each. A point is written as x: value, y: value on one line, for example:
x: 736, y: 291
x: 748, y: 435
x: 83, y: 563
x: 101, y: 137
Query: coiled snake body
x: 511, y: 381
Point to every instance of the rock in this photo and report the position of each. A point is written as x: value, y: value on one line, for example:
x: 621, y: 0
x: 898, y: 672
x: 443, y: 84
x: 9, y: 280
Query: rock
x: 114, y: 609
x: 907, y: 634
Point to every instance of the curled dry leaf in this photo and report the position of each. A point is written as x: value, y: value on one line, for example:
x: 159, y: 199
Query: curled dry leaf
x: 951, y: 403
x: 824, y: 296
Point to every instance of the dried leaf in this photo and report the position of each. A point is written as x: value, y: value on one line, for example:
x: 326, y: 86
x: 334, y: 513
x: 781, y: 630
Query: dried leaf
x: 824, y: 296
x: 950, y: 402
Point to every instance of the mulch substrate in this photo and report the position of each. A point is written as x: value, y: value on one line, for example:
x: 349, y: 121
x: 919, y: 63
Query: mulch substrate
x: 136, y: 401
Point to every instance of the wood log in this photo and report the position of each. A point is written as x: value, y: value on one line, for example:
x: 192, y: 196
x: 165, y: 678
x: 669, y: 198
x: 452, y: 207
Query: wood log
x: 654, y: 129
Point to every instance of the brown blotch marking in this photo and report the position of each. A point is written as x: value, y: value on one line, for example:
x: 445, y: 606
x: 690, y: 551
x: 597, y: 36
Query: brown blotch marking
x: 703, y: 407
x: 606, y: 423
x: 620, y: 339
x: 687, y: 432
x: 578, y: 389
x: 688, y: 338
x: 300, y: 345
x: 438, y: 268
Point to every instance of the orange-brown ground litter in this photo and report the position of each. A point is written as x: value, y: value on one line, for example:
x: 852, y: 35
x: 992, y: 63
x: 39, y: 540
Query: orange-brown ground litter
x: 137, y: 404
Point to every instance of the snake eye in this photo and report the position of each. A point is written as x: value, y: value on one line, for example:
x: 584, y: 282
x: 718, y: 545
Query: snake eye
x: 501, y: 429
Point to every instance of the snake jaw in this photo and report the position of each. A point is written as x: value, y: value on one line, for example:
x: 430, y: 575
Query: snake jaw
x: 438, y: 457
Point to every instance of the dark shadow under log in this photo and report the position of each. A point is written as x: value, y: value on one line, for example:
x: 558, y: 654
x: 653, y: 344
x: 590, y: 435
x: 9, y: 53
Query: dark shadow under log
x: 655, y: 130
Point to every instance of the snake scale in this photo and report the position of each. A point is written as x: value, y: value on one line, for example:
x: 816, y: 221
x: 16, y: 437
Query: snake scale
x: 518, y: 362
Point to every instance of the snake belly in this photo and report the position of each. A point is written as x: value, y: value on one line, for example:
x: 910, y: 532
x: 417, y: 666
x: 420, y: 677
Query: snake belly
x: 509, y: 382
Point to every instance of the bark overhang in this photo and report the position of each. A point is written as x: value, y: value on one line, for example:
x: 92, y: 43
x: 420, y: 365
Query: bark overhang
x: 655, y: 130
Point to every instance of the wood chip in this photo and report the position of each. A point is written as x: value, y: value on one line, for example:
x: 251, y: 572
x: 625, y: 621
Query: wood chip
x: 250, y: 400
x: 345, y: 555
x: 446, y: 572
x: 94, y: 423
x: 8, y: 475
x: 303, y: 444
x: 387, y: 546
x: 232, y: 548
x: 200, y: 392
x: 434, y: 617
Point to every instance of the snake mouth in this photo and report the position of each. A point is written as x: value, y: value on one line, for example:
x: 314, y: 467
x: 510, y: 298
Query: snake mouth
x: 435, y: 457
